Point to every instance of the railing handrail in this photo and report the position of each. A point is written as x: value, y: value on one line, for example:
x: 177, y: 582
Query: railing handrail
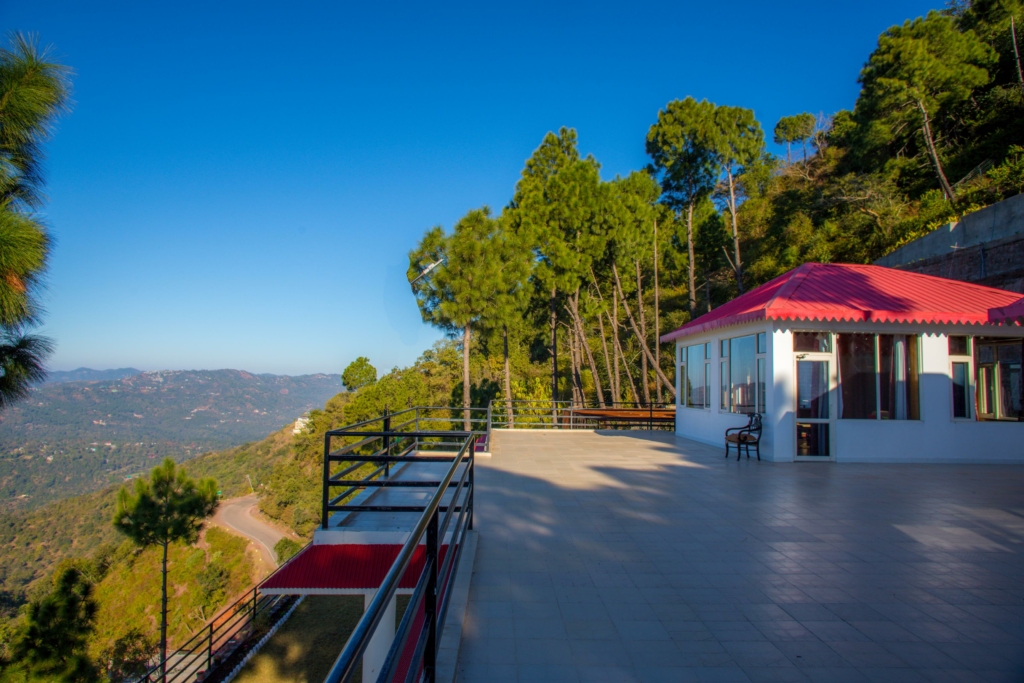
x: 408, y: 410
x: 345, y: 664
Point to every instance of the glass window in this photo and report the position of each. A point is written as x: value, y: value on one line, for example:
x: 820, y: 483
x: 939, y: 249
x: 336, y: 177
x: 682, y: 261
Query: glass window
x: 999, y: 378
x: 961, y: 390
x: 812, y: 390
x: 695, y: 376
x: 724, y: 350
x: 959, y: 346
x: 707, y: 384
x: 985, y: 386
x: 742, y: 374
x: 1009, y: 381
x: 682, y: 354
x: 897, y: 377
x: 762, y: 342
x: 857, y: 399
x: 812, y: 438
x: 760, y: 385
x: 812, y: 342
x: 725, y: 401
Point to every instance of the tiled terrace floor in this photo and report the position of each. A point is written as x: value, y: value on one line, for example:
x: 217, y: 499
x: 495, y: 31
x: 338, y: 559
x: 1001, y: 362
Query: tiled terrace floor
x: 644, y: 557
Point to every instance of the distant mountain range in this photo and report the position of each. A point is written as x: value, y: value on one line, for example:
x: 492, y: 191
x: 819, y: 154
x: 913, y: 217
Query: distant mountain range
x: 88, y: 375
x: 72, y: 437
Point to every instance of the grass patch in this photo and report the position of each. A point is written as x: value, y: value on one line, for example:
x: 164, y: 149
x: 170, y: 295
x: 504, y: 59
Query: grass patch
x: 305, y: 647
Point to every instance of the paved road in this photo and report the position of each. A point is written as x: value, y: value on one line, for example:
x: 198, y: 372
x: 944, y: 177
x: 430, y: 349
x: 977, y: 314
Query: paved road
x: 237, y: 514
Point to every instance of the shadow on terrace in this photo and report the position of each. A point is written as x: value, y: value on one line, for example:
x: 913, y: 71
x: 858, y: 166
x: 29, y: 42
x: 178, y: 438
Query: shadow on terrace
x: 642, y: 556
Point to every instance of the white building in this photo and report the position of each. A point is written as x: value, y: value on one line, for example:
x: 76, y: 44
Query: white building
x: 856, y: 363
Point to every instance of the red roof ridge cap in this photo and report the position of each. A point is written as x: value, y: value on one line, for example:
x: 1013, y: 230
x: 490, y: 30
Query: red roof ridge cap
x: 799, y: 274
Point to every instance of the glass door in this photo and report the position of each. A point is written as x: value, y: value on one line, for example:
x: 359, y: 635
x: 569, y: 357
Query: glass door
x: 813, y: 414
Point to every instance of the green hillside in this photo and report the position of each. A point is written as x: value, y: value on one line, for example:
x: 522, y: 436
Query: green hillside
x: 75, y: 437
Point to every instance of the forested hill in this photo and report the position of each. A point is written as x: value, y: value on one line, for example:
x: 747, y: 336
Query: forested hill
x: 88, y: 375
x: 74, y: 437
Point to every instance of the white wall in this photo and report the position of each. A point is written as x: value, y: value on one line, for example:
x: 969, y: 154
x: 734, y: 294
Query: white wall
x: 936, y: 437
x: 782, y: 398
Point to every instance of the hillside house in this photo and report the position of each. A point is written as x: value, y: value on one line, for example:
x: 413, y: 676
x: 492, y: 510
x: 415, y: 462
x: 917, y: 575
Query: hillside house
x: 858, y: 363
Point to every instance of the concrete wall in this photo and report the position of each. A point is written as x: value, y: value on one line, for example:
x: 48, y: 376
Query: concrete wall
x: 986, y: 247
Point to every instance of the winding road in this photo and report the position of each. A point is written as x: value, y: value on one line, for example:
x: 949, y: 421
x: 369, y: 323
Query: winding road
x: 238, y: 515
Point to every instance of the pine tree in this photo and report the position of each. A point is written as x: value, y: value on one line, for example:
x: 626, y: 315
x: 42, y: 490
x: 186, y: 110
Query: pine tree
x: 52, y: 642
x: 34, y: 91
x: 168, y: 508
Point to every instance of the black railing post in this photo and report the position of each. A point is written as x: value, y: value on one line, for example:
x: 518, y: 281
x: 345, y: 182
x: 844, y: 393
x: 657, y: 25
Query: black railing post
x: 387, y: 442
x: 327, y: 481
x: 209, y: 651
x: 472, y: 487
x: 430, y: 603
x: 650, y: 416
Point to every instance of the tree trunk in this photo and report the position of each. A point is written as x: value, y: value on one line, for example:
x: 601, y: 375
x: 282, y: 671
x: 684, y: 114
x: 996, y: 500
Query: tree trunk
x: 636, y: 332
x: 607, y: 361
x: 691, y: 268
x: 574, y: 357
x: 926, y: 129
x: 805, y: 151
x: 465, y: 379
x: 625, y: 366
x: 508, y: 380
x: 707, y: 289
x: 657, y: 319
x: 578, y: 320
x: 737, y: 264
x: 616, y: 347
x: 1016, y: 55
x: 643, y: 331
x: 554, y: 360
x: 163, y: 616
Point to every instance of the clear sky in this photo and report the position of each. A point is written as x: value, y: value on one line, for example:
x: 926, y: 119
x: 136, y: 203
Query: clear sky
x: 238, y: 185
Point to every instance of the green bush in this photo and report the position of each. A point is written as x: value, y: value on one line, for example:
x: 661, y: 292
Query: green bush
x: 286, y: 548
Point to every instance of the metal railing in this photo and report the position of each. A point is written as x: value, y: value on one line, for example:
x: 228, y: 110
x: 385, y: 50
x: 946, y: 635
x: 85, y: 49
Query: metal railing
x: 237, y: 625
x: 540, y: 414
x: 370, y: 448
x: 413, y: 652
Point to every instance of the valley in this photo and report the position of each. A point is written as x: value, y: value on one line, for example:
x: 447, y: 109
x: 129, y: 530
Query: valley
x: 70, y: 438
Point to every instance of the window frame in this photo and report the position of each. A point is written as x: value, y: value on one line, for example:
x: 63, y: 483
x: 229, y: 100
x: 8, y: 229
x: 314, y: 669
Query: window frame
x: 878, y: 378
x: 971, y: 400
x: 682, y: 399
x: 726, y: 400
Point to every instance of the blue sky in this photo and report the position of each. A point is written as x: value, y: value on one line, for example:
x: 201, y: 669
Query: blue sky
x: 238, y: 184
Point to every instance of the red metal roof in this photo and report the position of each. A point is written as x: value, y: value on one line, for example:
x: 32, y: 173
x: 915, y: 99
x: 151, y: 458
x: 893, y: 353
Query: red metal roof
x: 343, y: 567
x: 848, y: 292
x: 1009, y: 315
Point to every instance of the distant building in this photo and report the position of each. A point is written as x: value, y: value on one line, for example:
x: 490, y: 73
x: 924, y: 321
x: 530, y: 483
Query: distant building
x: 300, y: 425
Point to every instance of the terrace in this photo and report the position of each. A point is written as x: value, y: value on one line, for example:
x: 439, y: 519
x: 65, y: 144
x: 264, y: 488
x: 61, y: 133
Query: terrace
x: 637, y: 555
x: 640, y: 556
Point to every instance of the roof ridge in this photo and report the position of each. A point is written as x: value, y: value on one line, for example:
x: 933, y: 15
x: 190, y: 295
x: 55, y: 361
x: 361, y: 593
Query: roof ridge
x: 798, y: 275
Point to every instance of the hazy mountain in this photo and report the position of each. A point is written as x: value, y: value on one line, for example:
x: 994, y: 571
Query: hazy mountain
x: 73, y: 437
x: 88, y: 375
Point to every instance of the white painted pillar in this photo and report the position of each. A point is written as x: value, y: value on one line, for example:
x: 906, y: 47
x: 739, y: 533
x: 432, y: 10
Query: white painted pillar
x: 380, y: 643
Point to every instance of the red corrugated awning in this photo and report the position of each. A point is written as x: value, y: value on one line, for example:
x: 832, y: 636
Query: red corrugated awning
x: 343, y: 567
x: 1009, y: 315
x: 859, y: 293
